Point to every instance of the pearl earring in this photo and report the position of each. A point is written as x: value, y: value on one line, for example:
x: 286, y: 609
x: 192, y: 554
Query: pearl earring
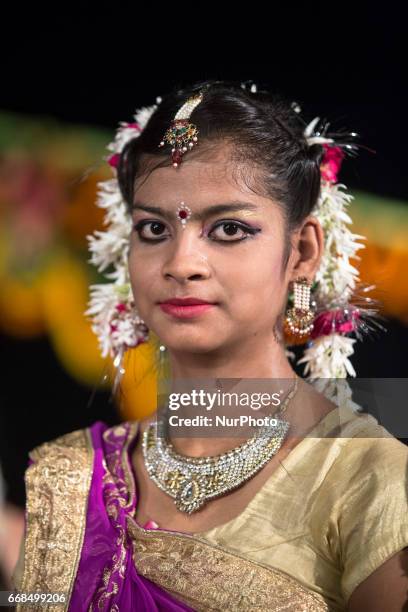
x: 299, y: 319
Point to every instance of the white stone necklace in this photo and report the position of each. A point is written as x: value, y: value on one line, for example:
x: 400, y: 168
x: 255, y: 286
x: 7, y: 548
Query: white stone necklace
x: 193, y: 481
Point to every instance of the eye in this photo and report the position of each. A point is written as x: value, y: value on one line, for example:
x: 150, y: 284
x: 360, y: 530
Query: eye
x: 156, y: 229
x: 232, y: 231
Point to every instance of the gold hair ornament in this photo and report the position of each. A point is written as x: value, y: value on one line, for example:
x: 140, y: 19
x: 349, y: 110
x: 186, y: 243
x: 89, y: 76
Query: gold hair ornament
x: 182, y: 135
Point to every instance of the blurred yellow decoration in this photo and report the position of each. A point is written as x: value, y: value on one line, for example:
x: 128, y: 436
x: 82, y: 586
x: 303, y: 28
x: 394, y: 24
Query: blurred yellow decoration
x: 20, y: 307
x: 384, y: 259
x: 385, y: 268
x: 137, y: 395
x: 64, y: 286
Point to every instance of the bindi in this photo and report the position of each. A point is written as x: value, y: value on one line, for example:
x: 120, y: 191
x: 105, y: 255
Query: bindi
x: 183, y: 214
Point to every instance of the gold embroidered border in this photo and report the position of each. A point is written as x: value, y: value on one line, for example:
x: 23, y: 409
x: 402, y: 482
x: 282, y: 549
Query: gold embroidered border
x: 118, y: 498
x: 119, y: 463
x: 208, y: 577
x: 57, y: 486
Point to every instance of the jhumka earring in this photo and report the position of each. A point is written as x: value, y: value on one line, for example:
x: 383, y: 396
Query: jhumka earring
x: 299, y: 318
x: 182, y: 135
x: 183, y: 213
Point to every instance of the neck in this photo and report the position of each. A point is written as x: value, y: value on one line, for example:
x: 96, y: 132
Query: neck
x: 253, y: 359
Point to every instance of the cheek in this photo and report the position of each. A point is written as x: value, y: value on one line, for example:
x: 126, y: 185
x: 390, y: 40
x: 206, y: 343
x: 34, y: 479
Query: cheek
x: 262, y: 272
x: 143, y: 273
x: 255, y: 284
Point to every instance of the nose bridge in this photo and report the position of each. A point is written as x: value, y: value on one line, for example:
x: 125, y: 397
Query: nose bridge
x: 186, y: 256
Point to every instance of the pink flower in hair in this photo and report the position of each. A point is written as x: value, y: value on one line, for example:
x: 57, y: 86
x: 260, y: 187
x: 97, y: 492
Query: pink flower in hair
x: 113, y: 160
x: 134, y: 125
x: 335, y: 321
x: 331, y: 163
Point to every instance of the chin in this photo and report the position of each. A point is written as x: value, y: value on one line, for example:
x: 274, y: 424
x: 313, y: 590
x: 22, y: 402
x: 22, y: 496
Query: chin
x: 189, y: 342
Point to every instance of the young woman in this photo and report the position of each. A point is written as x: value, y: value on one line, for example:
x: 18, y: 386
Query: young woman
x: 221, y: 206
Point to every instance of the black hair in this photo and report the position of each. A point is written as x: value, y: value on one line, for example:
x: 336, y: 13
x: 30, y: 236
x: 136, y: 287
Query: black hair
x: 266, y: 134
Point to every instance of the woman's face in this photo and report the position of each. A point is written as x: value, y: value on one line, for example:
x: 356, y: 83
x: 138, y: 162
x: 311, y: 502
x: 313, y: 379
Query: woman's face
x: 231, y: 258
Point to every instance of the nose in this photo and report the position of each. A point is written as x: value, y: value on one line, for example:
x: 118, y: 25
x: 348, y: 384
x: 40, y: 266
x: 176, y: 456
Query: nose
x: 186, y: 259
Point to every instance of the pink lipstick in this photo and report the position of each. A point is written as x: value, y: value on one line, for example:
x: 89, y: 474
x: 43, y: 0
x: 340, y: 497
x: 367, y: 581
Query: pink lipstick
x: 185, y: 308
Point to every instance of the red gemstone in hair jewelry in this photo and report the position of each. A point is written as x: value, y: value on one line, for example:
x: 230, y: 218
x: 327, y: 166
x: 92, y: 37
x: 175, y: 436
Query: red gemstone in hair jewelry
x: 176, y: 157
x: 183, y: 214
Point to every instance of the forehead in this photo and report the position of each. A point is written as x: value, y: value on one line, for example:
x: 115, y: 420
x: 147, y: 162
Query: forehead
x: 200, y: 179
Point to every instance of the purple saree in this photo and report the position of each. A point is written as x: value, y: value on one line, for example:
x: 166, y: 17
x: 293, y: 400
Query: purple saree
x: 107, y: 578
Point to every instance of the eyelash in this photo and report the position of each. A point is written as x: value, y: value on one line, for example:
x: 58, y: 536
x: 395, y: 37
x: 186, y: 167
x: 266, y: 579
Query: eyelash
x: 250, y: 231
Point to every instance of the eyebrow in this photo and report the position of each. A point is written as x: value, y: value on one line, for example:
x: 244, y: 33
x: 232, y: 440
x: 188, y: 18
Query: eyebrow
x: 206, y: 212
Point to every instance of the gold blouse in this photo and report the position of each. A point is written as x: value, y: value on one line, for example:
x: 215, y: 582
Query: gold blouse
x: 334, y: 510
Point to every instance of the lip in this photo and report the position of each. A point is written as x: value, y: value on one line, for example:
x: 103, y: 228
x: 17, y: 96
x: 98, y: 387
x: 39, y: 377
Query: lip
x: 186, y: 310
x: 185, y: 301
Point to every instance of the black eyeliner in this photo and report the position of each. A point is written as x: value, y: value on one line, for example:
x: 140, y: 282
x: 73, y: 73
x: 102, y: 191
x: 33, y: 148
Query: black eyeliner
x: 243, y: 226
x: 250, y: 231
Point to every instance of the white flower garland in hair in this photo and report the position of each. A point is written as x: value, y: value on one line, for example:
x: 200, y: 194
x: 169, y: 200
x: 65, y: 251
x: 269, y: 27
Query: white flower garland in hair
x: 327, y: 356
x: 118, y: 326
x: 115, y: 320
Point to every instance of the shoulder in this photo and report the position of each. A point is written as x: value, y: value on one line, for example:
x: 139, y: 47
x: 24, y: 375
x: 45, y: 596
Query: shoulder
x: 76, y: 448
x: 371, y: 452
x: 61, y: 466
x: 74, y: 443
x: 372, y: 481
x: 360, y: 441
x: 69, y: 441
x: 353, y: 450
x: 368, y: 470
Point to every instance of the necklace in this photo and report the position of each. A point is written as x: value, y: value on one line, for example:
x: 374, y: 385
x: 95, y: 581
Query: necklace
x: 193, y: 481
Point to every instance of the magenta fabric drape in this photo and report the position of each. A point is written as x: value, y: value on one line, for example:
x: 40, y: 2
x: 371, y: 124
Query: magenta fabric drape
x: 107, y: 578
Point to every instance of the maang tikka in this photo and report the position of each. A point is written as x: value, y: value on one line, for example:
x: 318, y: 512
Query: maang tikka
x: 182, y: 135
